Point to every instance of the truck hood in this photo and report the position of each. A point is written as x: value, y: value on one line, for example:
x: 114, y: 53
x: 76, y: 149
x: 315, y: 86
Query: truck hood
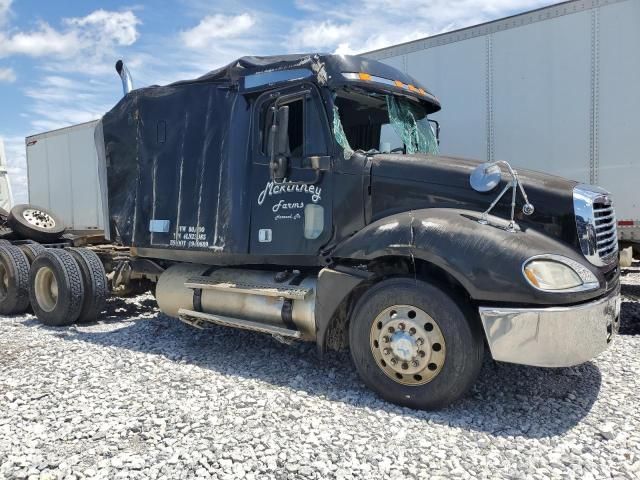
x: 403, y: 182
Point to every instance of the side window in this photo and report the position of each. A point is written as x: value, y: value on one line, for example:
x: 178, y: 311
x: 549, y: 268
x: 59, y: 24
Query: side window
x: 296, y: 127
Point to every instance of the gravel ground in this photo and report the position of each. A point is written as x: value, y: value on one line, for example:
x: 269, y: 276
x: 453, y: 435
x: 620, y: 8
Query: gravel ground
x: 142, y: 396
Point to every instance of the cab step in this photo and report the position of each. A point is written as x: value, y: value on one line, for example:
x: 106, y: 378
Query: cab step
x: 200, y: 319
x: 265, y: 290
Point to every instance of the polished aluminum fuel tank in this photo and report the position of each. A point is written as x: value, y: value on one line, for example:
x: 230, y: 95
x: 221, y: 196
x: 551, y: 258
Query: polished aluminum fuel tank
x: 242, y: 294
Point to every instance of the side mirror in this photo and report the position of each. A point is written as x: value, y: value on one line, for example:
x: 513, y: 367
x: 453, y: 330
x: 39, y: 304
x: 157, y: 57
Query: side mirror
x: 435, y: 126
x: 279, y: 141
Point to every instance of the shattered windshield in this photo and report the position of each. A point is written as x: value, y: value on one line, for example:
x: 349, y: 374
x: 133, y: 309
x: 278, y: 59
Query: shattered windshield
x: 384, y: 123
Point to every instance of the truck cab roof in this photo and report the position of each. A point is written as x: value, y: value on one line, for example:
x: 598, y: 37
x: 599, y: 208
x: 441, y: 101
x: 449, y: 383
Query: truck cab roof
x: 258, y: 73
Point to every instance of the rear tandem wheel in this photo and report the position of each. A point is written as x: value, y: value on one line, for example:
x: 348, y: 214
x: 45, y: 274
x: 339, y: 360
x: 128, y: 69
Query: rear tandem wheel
x: 56, y: 289
x: 14, y: 280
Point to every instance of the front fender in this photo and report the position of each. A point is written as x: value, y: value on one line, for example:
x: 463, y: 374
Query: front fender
x: 486, y: 260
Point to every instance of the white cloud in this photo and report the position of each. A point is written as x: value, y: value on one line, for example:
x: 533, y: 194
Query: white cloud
x: 118, y: 28
x: 99, y: 32
x: 7, y: 75
x: 380, y: 23
x: 215, y: 27
x: 323, y: 35
x: 61, y: 101
x: 5, y: 10
x: 43, y: 41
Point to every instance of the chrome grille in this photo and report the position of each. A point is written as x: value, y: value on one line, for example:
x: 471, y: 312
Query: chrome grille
x: 605, y: 225
x: 596, y: 224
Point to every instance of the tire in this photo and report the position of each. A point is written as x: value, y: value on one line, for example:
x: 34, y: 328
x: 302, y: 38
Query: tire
x: 438, y: 374
x: 32, y: 250
x: 3, y: 215
x: 60, y: 305
x: 35, y: 223
x: 94, y: 280
x: 5, y: 242
x: 14, y: 280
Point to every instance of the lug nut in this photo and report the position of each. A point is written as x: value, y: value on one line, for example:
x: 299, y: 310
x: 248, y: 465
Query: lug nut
x: 414, y: 364
x: 405, y: 365
x: 387, y: 351
x: 421, y: 353
x: 401, y: 326
x: 391, y: 330
x: 393, y: 361
x: 386, y: 339
x: 419, y: 341
x: 412, y: 331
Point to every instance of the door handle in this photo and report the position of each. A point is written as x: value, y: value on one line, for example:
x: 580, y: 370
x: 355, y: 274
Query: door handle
x: 321, y: 163
x: 318, y: 163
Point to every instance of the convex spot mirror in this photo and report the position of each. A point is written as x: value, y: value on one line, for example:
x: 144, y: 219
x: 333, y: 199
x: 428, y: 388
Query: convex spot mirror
x: 485, y: 177
x: 279, y: 142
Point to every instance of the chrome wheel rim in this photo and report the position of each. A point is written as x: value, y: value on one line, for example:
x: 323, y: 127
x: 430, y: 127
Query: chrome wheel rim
x: 38, y: 218
x: 408, y: 345
x: 46, y: 287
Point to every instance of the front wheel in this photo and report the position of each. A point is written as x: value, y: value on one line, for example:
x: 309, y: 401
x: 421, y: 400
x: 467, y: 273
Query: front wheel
x: 414, y: 344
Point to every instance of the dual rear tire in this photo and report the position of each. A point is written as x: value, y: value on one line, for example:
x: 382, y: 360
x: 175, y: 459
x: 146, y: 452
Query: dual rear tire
x: 67, y: 286
x: 61, y: 286
x: 14, y: 280
x: 94, y: 281
x: 32, y: 250
x: 56, y: 288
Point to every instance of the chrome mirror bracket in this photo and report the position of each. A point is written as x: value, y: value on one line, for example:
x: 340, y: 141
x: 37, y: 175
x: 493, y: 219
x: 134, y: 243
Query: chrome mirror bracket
x: 515, y: 184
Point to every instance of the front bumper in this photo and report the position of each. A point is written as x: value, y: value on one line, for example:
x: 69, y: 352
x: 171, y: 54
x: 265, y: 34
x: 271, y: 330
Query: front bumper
x: 552, y: 337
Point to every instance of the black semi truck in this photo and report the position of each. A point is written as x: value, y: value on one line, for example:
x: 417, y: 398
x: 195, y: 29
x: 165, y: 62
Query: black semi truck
x: 303, y: 196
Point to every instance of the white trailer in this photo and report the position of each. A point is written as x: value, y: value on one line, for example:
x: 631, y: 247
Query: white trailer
x: 62, y: 167
x: 554, y: 89
x: 6, y: 197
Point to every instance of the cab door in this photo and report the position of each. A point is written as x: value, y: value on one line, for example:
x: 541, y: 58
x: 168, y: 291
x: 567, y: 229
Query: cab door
x: 292, y: 216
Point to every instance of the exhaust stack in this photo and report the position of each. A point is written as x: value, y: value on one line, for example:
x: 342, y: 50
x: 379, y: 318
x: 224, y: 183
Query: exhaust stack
x: 125, y: 76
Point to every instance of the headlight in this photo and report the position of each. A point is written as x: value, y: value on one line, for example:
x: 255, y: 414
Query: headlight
x: 555, y: 273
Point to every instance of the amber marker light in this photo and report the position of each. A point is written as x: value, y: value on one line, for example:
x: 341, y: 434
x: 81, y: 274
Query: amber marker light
x: 532, y: 277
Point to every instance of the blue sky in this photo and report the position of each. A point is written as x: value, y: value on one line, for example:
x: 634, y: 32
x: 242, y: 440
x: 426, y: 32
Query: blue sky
x: 57, y: 58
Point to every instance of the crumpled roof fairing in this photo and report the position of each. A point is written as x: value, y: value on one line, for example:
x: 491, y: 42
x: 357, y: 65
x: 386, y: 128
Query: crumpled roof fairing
x: 328, y: 70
